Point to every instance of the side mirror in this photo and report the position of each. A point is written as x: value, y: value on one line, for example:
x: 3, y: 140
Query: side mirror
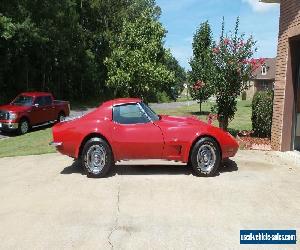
x: 36, y: 105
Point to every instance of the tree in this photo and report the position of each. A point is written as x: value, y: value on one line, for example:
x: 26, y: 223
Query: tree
x: 61, y: 46
x: 233, y: 67
x: 201, y: 64
x: 174, y: 89
x: 135, y: 66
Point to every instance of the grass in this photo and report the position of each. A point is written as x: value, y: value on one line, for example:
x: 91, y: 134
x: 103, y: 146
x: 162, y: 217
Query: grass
x: 241, y: 121
x: 36, y: 142
x: 33, y: 143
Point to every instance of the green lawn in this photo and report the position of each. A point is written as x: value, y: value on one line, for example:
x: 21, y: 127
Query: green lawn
x: 33, y: 143
x: 36, y: 142
x: 241, y: 121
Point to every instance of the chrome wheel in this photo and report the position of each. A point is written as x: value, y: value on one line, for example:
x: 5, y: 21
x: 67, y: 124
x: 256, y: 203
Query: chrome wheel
x: 206, y: 157
x: 61, y: 118
x: 24, y: 127
x: 95, y: 159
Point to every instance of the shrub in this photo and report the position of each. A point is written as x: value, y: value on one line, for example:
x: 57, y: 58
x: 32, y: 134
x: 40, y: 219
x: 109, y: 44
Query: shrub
x: 262, y: 112
x: 162, y: 97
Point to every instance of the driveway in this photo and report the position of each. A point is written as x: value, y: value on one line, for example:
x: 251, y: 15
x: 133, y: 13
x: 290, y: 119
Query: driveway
x: 46, y: 202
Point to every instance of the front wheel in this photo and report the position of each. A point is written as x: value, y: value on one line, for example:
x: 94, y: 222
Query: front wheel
x: 23, y: 127
x: 97, y: 157
x: 205, y: 157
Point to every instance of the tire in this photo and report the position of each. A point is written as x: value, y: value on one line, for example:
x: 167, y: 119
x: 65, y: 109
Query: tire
x: 61, y: 117
x: 99, y: 167
x: 23, y: 127
x: 205, y: 157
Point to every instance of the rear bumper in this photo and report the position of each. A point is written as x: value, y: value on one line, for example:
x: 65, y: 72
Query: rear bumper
x: 9, y: 126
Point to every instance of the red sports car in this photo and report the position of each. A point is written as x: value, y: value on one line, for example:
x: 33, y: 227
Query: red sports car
x: 127, y: 128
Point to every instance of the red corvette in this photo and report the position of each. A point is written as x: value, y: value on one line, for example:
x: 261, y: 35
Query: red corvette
x: 127, y: 128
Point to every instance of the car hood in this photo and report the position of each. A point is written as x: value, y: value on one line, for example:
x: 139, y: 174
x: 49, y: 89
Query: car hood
x: 181, y: 120
x: 14, y: 108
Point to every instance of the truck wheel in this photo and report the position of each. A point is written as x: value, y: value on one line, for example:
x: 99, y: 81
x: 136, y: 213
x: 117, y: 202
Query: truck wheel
x: 23, y: 127
x: 205, y: 157
x: 61, y: 117
x: 97, y: 158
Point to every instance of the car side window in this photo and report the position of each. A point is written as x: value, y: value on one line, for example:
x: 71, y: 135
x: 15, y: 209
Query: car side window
x: 129, y: 114
x: 39, y: 101
x: 47, y: 100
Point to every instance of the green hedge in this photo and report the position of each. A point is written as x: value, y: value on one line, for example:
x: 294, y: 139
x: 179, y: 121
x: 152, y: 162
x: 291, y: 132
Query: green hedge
x: 262, y: 113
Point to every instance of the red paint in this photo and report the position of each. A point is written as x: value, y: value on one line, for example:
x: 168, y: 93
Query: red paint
x: 35, y: 115
x: 169, y: 138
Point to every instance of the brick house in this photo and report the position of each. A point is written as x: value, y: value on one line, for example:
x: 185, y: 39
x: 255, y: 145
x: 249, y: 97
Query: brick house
x: 286, y: 108
x: 263, y: 77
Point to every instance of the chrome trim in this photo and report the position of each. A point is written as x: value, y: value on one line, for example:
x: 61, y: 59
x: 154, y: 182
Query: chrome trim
x: 144, y: 112
x: 206, y: 158
x: 95, y: 159
x: 9, y: 125
x: 55, y: 144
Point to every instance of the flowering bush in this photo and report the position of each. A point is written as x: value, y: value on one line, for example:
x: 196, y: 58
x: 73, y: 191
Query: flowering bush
x: 233, y: 67
x: 211, y: 117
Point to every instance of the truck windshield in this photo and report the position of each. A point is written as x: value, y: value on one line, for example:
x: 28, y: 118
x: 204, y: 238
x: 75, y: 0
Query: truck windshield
x: 154, y: 117
x: 23, y: 100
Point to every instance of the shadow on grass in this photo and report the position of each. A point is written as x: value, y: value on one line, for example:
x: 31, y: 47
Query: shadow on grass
x: 200, y: 113
x: 226, y: 166
x: 32, y: 130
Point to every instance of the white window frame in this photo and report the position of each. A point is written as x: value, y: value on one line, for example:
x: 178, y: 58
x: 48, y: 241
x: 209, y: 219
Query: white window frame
x: 264, y: 70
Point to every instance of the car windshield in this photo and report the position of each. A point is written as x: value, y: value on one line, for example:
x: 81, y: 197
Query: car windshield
x: 23, y: 100
x: 150, y: 112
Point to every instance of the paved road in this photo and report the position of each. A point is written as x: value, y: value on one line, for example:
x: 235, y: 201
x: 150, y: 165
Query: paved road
x: 46, y: 202
x: 172, y: 105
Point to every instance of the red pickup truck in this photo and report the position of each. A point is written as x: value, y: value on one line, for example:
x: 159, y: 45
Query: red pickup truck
x: 32, y: 109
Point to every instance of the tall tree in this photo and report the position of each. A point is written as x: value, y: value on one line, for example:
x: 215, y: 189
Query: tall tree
x: 174, y: 90
x: 201, y: 64
x: 135, y: 66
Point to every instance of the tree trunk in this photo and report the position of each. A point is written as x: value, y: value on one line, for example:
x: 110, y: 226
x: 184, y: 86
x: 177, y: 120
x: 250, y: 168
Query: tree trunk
x: 223, y: 123
x: 200, y: 104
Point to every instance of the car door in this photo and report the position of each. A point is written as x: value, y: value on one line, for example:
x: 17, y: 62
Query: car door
x: 134, y: 135
x: 37, y: 111
x: 49, y: 109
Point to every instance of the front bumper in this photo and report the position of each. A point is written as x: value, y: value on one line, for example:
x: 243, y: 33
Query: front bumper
x: 9, y: 126
x: 55, y: 144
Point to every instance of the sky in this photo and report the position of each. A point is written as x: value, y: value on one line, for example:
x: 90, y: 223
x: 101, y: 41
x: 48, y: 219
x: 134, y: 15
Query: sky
x: 181, y: 18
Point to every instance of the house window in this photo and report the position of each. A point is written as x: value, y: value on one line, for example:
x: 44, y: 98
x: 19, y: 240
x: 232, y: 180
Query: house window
x: 264, y: 70
x: 265, y: 85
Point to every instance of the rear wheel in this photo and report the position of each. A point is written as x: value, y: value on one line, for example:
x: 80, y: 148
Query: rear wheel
x: 97, y: 157
x: 23, y: 127
x: 61, y: 117
x: 205, y: 157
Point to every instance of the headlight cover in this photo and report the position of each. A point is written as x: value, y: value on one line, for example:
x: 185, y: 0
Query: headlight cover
x: 12, y: 116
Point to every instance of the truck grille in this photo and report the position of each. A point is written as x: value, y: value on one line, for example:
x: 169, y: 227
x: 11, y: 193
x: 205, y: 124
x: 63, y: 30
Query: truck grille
x: 4, y: 115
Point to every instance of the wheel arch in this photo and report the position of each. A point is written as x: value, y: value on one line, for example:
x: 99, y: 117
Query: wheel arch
x: 197, y: 139
x: 61, y: 112
x: 90, y: 136
x: 24, y: 117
